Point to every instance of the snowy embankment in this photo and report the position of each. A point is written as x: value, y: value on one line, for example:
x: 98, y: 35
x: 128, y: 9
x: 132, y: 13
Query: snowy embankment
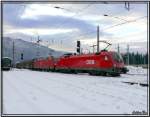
x: 33, y: 92
x: 136, y: 75
x: 137, y: 70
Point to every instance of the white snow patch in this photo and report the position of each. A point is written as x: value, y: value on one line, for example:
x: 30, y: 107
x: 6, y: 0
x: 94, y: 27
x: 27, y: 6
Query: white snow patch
x: 35, y: 92
x: 137, y: 70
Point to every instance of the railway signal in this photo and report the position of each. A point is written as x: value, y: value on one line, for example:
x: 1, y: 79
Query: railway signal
x: 78, y: 43
x: 21, y: 56
x: 78, y: 47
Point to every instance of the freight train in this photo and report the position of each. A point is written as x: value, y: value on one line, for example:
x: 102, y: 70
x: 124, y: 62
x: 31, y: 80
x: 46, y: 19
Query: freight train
x: 105, y: 63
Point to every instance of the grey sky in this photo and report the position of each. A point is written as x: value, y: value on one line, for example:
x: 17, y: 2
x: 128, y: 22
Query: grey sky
x: 60, y: 28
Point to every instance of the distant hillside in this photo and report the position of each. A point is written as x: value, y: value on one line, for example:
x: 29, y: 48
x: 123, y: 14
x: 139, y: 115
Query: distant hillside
x: 28, y: 49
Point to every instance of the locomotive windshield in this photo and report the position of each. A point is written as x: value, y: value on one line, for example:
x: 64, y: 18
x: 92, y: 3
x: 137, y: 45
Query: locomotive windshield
x: 117, y: 57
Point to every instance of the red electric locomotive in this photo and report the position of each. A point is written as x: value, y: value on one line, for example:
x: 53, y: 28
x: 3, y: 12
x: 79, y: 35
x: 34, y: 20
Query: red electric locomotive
x: 43, y: 63
x: 102, y: 63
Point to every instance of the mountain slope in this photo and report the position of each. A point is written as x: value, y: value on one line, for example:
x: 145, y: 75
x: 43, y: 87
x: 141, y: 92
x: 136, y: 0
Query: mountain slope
x: 30, y: 50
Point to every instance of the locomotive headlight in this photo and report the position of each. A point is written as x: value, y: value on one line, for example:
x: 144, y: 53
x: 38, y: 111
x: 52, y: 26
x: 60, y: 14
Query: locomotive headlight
x: 115, y: 65
x: 106, y: 58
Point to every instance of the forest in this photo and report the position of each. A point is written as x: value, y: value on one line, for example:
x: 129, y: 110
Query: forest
x: 135, y: 58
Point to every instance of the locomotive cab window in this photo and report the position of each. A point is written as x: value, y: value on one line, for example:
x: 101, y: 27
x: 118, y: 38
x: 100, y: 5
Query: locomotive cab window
x: 117, y: 57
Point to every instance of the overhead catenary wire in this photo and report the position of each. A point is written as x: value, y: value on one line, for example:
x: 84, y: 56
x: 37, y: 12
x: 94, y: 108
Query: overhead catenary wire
x: 66, y: 20
x: 126, y: 22
x: 119, y: 24
x: 113, y: 26
x: 95, y: 30
x: 79, y: 13
x: 59, y: 25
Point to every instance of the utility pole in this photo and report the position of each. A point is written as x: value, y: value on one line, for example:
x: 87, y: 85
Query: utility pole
x: 38, y: 52
x: 31, y: 39
x: 13, y: 49
x: 127, y: 6
x: 81, y: 51
x: 128, y: 54
x: 118, y: 49
x: 97, y: 38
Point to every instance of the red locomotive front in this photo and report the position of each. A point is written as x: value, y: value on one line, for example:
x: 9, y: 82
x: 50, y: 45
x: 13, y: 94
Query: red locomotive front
x: 103, y: 63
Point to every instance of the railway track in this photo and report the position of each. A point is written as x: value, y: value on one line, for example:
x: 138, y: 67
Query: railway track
x: 137, y: 74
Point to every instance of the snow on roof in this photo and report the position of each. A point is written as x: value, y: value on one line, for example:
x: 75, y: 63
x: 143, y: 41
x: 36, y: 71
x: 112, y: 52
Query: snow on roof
x: 7, y: 58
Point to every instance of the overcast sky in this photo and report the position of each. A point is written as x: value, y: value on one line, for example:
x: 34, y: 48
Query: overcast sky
x: 59, y: 26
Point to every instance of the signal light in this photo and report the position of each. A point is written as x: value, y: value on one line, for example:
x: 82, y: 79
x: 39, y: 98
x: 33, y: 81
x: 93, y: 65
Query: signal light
x: 78, y: 43
x: 21, y: 56
x: 78, y: 47
x: 78, y: 50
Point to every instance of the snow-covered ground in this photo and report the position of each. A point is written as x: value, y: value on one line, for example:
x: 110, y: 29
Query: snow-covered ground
x: 35, y: 92
x: 137, y: 70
